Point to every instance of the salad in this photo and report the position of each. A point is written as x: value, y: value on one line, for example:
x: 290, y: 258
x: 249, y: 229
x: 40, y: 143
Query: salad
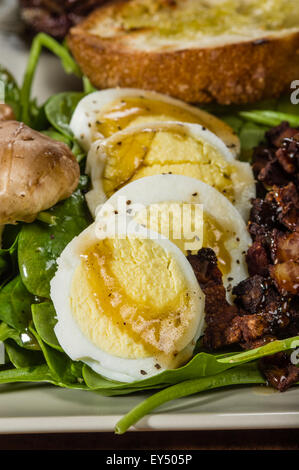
x: 30, y: 250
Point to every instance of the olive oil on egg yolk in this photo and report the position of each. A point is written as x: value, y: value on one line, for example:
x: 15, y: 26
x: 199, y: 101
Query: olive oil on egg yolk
x: 154, y: 152
x: 129, y: 111
x: 166, y: 217
x: 130, y: 298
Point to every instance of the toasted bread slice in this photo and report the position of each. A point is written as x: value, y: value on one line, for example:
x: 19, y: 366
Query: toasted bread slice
x: 229, y: 51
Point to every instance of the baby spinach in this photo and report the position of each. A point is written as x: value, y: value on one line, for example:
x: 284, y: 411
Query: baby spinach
x: 21, y: 357
x: 8, y: 332
x: 270, y: 118
x: 11, y: 91
x: 66, y: 373
x: 40, y: 244
x: 3, y: 266
x: 54, y: 134
x: 39, y: 373
x: 266, y: 350
x: 202, y: 365
x: 44, y: 319
x: 59, y: 109
x: 8, y: 255
x: 15, y: 304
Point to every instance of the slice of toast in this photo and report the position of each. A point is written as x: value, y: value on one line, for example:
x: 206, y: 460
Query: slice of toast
x: 229, y: 51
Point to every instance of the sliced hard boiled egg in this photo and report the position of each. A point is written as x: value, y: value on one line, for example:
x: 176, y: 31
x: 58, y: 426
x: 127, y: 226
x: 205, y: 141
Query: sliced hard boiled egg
x: 191, y: 214
x: 128, y: 303
x: 102, y: 113
x: 167, y: 147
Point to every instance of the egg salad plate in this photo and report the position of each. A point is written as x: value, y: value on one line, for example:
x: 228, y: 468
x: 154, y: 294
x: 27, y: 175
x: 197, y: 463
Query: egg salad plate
x: 149, y: 268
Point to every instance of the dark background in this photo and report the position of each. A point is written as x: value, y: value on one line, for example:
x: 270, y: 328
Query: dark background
x: 183, y: 440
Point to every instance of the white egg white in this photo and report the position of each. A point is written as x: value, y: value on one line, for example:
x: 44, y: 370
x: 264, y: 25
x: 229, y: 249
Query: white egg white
x: 70, y: 336
x: 175, y: 188
x: 89, y: 108
x: 243, y: 180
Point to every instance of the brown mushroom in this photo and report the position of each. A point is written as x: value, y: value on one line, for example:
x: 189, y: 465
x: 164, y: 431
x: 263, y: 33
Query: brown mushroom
x: 6, y: 112
x: 35, y: 172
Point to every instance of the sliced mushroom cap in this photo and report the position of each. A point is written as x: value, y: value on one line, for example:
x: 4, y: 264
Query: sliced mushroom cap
x: 6, y: 112
x: 35, y: 172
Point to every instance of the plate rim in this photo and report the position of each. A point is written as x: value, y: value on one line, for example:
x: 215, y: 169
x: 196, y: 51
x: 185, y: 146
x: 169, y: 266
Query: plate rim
x: 155, y: 422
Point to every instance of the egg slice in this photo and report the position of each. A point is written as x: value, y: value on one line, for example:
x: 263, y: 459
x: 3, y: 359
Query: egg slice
x: 168, y: 147
x: 191, y: 214
x: 128, y: 303
x: 102, y: 113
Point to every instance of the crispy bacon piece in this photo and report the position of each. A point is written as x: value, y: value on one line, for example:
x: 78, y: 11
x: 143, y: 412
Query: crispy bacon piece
x: 287, y: 247
x: 277, y: 163
x: 204, y: 265
x: 229, y: 324
x: 219, y: 313
x: 276, y: 136
x: 287, y: 200
x: 286, y: 276
x: 279, y: 371
x: 257, y: 259
x: 250, y: 293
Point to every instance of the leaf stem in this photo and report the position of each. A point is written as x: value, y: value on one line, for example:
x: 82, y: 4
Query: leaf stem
x: 270, y: 118
x: 69, y: 65
x: 47, y: 218
x: 246, y: 374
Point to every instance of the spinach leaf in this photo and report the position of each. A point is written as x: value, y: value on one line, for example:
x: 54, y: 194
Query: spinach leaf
x: 54, y: 134
x: 202, y: 365
x: 40, y: 373
x: 266, y: 350
x: 40, y: 245
x: 3, y: 266
x: 8, y: 332
x: 8, y: 255
x: 15, y: 304
x: 11, y: 91
x: 63, y: 369
x: 270, y: 118
x: 44, y: 319
x: 21, y: 357
x: 59, y: 109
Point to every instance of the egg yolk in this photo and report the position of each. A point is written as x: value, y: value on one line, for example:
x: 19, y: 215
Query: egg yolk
x: 130, y: 298
x: 130, y: 111
x: 188, y: 228
x: 153, y: 152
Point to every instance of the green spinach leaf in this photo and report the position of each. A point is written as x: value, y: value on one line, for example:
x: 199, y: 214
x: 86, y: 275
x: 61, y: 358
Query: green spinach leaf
x: 40, y: 245
x: 59, y: 109
x: 63, y: 369
x: 202, y: 365
x: 21, y: 357
x: 11, y: 90
x: 40, y: 373
x: 15, y: 304
x: 44, y: 319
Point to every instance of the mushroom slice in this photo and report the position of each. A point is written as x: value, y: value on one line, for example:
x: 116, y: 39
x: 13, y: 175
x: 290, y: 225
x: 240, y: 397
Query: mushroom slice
x: 35, y: 172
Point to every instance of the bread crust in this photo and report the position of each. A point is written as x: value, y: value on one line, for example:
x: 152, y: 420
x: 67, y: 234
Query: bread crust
x: 238, y: 73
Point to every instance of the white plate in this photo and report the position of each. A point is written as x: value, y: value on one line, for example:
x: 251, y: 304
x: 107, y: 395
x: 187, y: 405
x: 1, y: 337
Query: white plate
x: 25, y: 408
